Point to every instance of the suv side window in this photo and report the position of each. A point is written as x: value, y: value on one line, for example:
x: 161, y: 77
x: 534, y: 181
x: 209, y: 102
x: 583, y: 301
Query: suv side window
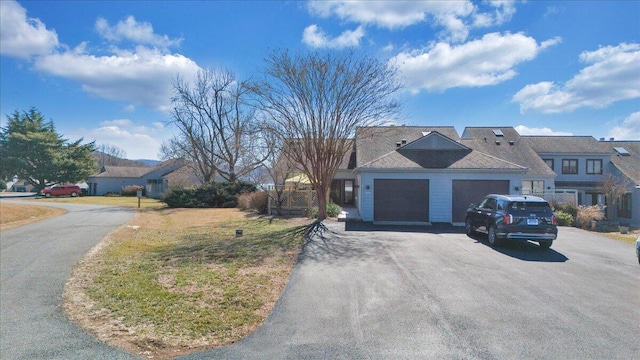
x: 491, y: 204
x: 488, y: 204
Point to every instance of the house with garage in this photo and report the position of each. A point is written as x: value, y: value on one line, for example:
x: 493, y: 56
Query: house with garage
x: 428, y: 174
x: 155, y: 180
x: 422, y: 175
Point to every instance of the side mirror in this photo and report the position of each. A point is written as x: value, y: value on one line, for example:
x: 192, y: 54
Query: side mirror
x: 472, y: 206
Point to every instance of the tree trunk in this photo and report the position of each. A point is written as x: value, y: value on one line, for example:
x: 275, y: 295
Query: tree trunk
x: 323, y: 193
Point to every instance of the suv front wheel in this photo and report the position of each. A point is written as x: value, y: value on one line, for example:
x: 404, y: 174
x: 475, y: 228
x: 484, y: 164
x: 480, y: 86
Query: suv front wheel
x: 492, y: 237
x: 469, y: 227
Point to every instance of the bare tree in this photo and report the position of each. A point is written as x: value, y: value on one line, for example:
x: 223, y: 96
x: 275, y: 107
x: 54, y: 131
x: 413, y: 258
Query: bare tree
x: 278, y: 166
x: 316, y: 101
x: 216, y: 126
x: 110, y: 155
x: 613, y: 187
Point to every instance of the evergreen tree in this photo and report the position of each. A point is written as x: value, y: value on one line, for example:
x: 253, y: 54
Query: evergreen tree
x: 31, y: 148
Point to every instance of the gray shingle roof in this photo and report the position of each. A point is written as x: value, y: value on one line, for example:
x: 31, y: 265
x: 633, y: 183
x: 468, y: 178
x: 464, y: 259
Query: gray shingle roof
x: 628, y: 165
x: 437, y: 159
x: 135, y: 171
x: 510, y: 147
x: 376, y: 141
x: 122, y: 172
x: 565, y: 144
x: 377, y: 149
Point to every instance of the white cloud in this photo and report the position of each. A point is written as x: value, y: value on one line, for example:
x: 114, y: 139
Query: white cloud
x: 140, y: 77
x: 137, y: 32
x: 611, y: 74
x: 315, y: 37
x: 455, y: 17
x: 523, y: 130
x: 482, y: 62
x: 629, y: 129
x: 138, y: 141
x: 21, y: 36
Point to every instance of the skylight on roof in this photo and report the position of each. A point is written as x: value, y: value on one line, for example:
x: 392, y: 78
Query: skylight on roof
x: 497, y: 132
x: 621, y: 151
x: 425, y: 133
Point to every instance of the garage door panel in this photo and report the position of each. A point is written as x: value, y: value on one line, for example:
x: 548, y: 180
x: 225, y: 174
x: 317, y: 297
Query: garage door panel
x: 401, y: 200
x: 466, y: 192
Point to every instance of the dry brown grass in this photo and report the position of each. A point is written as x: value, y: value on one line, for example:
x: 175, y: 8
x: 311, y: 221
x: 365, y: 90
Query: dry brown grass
x: 174, y: 281
x: 14, y: 215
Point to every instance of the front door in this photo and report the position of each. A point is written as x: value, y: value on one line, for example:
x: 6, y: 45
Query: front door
x: 348, y: 195
x: 343, y: 192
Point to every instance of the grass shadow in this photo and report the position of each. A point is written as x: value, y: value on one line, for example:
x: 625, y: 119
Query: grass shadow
x: 247, y: 250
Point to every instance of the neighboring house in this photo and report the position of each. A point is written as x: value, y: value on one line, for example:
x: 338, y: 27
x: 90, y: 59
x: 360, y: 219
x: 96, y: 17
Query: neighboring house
x: 506, y: 143
x: 421, y: 175
x: 18, y: 185
x: 625, y: 162
x: 156, y: 180
x: 580, y: 162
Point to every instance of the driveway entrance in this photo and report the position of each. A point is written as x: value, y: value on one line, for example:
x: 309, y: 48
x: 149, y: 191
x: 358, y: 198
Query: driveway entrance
x: 366, y: 292
x: 35, y: 263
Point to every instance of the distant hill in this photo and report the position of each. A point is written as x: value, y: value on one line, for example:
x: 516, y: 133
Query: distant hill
x: 148, y: 162
x: 103, y: 159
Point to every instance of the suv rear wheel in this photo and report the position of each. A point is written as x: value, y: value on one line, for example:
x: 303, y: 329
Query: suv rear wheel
x: 545, y: 244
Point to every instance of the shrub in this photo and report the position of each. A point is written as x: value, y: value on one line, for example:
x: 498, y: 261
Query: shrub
x: 132, y: 190
x: 211, y: 195
x: 333, y: 210
x: 256, y: 201
x: 586, y: 214
x: 3, y: 185
x: 566, y: 208
x: 564, y: 218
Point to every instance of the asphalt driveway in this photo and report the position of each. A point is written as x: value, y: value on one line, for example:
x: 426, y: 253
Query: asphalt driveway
x: 362, y: 293
x: 35, y: 262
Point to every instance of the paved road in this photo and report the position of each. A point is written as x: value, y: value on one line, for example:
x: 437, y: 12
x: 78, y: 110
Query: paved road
x: 35, y: 262
x: 363, y: 294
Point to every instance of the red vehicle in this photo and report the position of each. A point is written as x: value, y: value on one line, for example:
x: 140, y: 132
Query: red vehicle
x: 62, y: 190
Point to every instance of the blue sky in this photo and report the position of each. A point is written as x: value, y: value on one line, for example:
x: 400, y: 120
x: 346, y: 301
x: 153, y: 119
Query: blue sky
x: 102, y: 70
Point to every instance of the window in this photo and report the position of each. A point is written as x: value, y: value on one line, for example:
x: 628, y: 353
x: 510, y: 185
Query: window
x: 549, y: 163
x: 532, y: 186
x: 569, y: 166
x: 624, y: 206
x: 594, y: 166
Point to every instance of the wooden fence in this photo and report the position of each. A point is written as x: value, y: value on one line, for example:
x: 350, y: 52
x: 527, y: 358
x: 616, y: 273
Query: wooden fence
x: 298, y: 202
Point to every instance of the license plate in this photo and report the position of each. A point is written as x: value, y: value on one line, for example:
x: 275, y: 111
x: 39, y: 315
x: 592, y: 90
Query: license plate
x: 532, y: 221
